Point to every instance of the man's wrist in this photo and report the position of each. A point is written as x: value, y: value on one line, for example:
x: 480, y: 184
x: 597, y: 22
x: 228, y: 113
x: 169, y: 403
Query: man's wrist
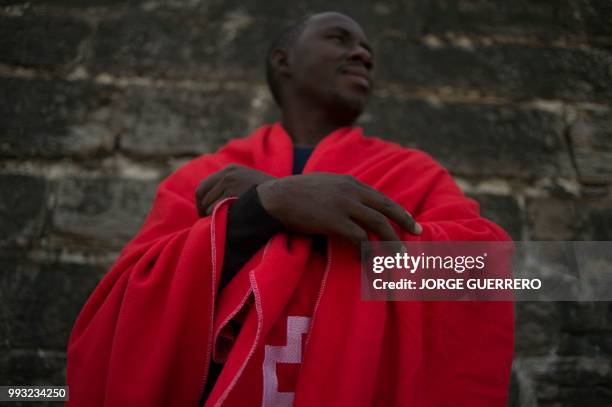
x: 265, y: 194
x: 250, y: 207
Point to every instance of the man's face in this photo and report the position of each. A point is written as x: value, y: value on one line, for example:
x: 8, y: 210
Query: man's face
x: 332, y: 63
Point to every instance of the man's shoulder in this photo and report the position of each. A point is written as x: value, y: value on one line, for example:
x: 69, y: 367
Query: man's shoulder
x: 408, y: 155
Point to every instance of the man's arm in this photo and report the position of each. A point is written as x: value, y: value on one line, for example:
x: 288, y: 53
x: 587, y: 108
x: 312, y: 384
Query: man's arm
x: 315, y: 204
x: 334, y: 204
x: 249, y: 227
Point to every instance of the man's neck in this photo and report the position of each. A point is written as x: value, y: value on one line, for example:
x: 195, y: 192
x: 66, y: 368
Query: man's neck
x: 307, y: 127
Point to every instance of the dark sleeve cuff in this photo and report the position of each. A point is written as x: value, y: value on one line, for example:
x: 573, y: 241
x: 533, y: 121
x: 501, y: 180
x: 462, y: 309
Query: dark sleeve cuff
x: 249, y: 227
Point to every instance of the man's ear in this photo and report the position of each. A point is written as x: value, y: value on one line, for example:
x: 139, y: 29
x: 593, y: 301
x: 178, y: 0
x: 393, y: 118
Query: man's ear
x: 280, y: 60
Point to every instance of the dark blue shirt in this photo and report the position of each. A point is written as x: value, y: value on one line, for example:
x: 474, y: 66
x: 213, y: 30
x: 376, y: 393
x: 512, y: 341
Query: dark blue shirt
x: 300, y: 156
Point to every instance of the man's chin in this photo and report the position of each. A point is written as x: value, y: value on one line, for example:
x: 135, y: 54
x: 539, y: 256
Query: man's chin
x: 349, y: 106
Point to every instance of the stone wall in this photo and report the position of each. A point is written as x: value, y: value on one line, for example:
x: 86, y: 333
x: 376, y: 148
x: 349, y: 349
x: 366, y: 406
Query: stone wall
x: 101, y: 99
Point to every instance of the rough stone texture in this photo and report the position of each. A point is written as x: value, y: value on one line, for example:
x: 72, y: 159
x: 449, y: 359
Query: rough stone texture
x: 40, y: 302
x: 569, y: 342
x: 22, y: 208
x: 569, y: 219
x: 503, y: 210
x: 564, y: 329
x: 82, y: 119
x: 37, y: 41
x: 538, y: 325
x: 78, y: 3
x: 179, y: 44
x: 376, y: 16
x: 54, y: 118
x: 100, y: 98
x: 514, y: 70
x: 161, y: 121
x: 474, y: 139
x: 575, y: 381
x: 576, y: 20
x: 591, y: 138
x: 594, y: 15
x: 587, y: 316
x: 34, y: 368
x: 104, y: 208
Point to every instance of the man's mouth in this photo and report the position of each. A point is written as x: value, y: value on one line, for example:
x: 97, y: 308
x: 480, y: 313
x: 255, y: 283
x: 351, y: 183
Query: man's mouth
x: 358, y: 76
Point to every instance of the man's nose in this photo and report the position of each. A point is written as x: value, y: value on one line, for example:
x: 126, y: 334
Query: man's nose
x: 361, y: 53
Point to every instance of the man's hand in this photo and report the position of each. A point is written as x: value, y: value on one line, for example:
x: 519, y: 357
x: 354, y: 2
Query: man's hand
x: 232, y: 180
x: 333, y: 204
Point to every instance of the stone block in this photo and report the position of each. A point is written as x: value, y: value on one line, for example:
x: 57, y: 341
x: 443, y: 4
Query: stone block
x: 176, y: 44
x: 48, y: 42
x: 575, y: 381
x: 40, y: 301
x: 512, y: 70
x: 537, y: 329
x: 55, y: 118
x: 33, y: 368
x: 543, y: 20
x: 474, y: 140
x: 556, y: 218
x: 167, y: 121
x: 102, y: 208
x: 591, y: 139
x: 22, y: 208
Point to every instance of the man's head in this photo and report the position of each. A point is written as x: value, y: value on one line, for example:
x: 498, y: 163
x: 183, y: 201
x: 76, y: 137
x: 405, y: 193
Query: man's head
x: 324, y: 60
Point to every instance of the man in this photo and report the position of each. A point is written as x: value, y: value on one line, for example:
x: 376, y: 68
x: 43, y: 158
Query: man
x: 250, y: 294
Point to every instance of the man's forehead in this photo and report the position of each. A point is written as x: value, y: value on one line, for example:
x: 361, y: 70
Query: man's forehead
x: 324, y: 21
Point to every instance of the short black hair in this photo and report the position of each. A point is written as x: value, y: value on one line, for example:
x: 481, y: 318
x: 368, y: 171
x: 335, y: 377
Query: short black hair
x: 285, y: 40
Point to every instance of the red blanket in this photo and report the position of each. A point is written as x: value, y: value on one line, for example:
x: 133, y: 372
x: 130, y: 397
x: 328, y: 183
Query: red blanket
x: 147, y: 333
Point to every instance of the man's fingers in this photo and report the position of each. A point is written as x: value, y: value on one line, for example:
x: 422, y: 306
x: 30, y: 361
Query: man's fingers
x: 352, y: 231
x: 210, y: 207
x: 385, y: 205
x: 215, y: 194
x: 207, y: 184
x: 374, y: 221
